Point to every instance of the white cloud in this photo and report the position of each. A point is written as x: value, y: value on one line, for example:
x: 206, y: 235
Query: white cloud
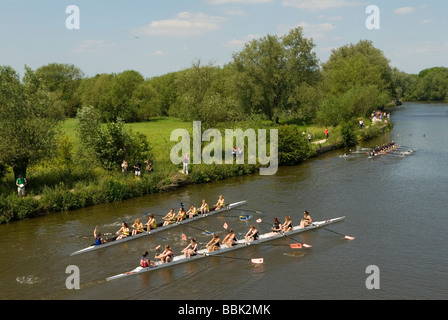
x: 314, y: 5
x: 239, y: 42
x: 405, y: 10
x: 94, y: 46
x: 234, y: 11
x: 183, y: 24
x: 316, y: 31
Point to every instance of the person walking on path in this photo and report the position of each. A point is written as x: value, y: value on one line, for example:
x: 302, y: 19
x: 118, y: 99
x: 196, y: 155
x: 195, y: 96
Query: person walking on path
x: 186, y: 160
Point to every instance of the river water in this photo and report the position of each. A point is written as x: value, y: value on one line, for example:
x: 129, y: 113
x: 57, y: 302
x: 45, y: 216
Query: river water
x: 395, y: 207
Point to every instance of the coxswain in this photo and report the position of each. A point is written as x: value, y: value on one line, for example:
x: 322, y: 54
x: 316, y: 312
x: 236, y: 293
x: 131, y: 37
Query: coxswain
x: 145, y: 262
x: 98, y: 239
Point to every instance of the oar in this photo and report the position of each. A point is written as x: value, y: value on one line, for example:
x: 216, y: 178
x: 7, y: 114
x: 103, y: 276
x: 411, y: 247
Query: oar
x: 345, y: 236
x: 203, y: 230
x: 297, y: 245
x: 257, y: 212
x: 254, y: 261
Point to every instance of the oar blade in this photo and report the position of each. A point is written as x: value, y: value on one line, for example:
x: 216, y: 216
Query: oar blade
x: 349, y: 238
x: 307, y: 245
x: 257, y: 261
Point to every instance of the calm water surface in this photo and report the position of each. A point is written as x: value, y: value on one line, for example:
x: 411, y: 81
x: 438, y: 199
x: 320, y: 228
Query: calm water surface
x: 394, y: 206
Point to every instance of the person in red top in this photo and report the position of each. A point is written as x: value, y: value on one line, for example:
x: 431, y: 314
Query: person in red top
x: 145, y: 262
x: 326, y: 134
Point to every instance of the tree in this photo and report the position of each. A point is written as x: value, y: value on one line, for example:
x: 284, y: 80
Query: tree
x: 62, y: 80
x: 275, y: 74
x: 111, y: 144
x: 356, y: 80
x: 29, y: 116
x: 432, y: 84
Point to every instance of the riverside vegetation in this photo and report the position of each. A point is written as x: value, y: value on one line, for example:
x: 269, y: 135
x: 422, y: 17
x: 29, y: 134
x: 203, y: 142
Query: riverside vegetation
x: 68, y: 133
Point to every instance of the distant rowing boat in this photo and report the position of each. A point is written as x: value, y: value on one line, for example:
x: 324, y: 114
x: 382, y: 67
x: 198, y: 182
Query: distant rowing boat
x: 224, y: 249
x: 159, y: 229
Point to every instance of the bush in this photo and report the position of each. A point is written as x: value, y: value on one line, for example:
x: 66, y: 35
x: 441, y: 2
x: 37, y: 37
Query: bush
x: 293, y: 146
x: 14, y: 208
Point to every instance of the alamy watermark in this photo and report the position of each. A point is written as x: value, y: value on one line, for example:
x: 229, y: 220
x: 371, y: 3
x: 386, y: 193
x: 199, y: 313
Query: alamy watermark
x: 373, y: 280
x: 73, y: 281
x: 213, y: 152
x: 373, y: 20
x: 73, y: 21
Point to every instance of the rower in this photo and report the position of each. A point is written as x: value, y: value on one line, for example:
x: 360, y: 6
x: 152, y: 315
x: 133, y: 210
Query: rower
x: 213, y: 244
x: 221, y: 203
x: 204, y: 208
x: 123, y: 232
x: 98, y: 239
x: 138, y: 227
x: 152, y: 223
x: 276, y: 227
x: 306, y: 221
x: 166, y: 256
x: 192, y: 212
x: 252, y: 234
x: 230, y: 239
x: 287, y: 226
x: 191, y: 250
x: 181, y: 215
x: 169, y: 218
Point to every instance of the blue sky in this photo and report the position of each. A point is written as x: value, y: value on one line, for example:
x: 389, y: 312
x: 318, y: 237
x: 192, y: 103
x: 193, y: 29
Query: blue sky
x: 157, y: 37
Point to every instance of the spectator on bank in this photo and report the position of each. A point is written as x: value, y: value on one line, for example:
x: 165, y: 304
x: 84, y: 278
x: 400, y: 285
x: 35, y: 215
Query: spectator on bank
x: 21, y: 183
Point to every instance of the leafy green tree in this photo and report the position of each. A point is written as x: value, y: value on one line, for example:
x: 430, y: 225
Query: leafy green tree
x: 432, y: 84
x: 276, y: 74
x: 62, y: 80
x: 111, y: 143
x: 29, y: 118
x: 356, y: 80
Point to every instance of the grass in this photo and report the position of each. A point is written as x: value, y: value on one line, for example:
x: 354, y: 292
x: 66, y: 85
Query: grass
x: 56, y: 187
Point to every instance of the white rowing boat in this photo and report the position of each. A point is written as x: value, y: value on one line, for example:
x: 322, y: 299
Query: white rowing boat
x: 159, y: 229
x: 224, y: 249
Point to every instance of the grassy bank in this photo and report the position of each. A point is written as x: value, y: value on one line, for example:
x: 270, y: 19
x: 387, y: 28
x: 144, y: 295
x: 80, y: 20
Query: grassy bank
x: 69, y: 183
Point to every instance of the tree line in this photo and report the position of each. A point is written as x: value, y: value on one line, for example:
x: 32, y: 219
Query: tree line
x: 276, y: 78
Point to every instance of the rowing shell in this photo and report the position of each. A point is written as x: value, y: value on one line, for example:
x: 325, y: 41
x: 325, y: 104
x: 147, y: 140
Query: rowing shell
x: 224, y: 249
x: 147, y: 233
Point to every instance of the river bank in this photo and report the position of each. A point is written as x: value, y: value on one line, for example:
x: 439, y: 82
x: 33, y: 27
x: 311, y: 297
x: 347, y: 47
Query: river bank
x: 116, y: 187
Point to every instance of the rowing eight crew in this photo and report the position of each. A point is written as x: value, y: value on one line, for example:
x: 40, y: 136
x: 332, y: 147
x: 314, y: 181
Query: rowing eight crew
x: 170, y: 218
x: 230, y: 240
x: 387, y: 147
